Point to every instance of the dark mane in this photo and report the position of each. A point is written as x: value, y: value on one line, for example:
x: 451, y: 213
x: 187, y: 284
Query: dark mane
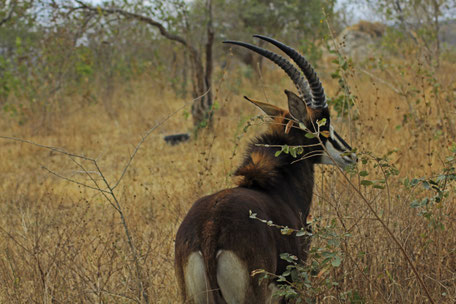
x: 261, y: 169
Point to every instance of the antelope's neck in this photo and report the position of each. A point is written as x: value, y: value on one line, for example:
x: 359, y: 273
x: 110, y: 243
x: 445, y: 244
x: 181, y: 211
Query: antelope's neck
x: 285, y: 177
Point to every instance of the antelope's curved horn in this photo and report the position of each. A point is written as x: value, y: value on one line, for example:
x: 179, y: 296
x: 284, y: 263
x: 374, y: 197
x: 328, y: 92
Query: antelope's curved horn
x: 294, y: 74
x: 318, y: 93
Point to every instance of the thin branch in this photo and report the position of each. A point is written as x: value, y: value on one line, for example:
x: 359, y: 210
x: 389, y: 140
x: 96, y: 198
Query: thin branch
x: 73, y: 181
x: 16, y: 241
x: 309, y: 155
x: 104, y: 193
x: 389, y: 85
x: 365, y: 200
x: 128, y: 235
x: 384, y: 226
x: 55, y: 149
x: 163, y: 31
x: 10, y: 13
x: 280, y: 146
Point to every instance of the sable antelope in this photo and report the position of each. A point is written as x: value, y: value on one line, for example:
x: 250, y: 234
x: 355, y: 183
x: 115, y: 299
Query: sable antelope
x: 217, y: 244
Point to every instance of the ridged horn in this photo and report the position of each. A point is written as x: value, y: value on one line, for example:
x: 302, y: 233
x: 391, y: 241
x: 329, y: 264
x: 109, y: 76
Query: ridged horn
x: 318, y: 93
x: 294, y: 74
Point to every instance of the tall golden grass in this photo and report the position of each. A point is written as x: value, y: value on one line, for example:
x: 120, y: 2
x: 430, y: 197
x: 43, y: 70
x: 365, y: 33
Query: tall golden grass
x: 63, y: 243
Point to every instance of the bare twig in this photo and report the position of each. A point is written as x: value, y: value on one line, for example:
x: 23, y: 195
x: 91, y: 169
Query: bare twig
x: 158, y: 25
x: 55, y: 149
x: 389, y: 85
x: 72, y: 180
x: 105, y: 194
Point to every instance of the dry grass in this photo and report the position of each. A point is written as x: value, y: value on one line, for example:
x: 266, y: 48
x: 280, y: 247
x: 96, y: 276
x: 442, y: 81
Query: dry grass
x: 63, y: 243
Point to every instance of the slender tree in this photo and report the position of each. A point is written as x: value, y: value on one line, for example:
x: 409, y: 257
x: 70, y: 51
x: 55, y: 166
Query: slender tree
x: 201, y: 72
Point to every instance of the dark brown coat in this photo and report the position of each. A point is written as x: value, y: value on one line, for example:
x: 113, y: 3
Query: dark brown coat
x: 277, y: 189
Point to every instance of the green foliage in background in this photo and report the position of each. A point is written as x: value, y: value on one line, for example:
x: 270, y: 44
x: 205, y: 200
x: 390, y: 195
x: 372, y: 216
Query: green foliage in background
x: 53, y: 50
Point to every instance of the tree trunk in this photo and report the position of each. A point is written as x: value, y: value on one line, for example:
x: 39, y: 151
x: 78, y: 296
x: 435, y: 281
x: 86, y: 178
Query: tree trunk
x: 202, y: 108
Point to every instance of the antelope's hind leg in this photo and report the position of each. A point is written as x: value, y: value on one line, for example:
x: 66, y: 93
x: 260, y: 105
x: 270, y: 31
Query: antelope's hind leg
x: 236, y: 285
x: 196, y: 284
x: 232, y: 277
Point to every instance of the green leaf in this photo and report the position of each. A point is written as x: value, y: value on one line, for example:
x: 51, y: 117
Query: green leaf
x: 286, y: 231
x: 336, y: 261
x: 293, y: 152
x: 414, y: 204
x: 302, y: 232
x: 335, y: 75
x: 278, y: 153
x: 414, y: 182
x: 310, y: 135
x: 363, y: 173
x: 288, y: 257
x: 321, y: 122
x: 186, y: 114
x: 366, y: 182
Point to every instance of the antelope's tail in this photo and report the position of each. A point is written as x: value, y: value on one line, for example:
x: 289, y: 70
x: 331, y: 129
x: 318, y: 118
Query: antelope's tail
x: 209, y: 251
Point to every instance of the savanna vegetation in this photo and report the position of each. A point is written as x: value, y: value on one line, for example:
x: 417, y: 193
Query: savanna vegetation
x: 91, y: 196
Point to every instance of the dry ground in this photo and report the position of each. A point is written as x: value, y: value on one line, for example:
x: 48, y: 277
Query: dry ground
x: 63, y: 243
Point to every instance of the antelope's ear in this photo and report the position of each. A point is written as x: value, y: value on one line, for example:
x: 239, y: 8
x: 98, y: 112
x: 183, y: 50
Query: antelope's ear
x: 267, y: 108
x: 297, y: 106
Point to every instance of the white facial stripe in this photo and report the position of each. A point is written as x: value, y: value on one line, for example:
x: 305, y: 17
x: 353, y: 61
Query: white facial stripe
x: 340, y: 144
x: 333, y: 156
x: 331, y: 132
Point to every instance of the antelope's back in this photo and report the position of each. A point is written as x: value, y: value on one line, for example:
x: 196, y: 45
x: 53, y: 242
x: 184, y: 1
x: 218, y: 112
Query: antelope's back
x: 221, y: 221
